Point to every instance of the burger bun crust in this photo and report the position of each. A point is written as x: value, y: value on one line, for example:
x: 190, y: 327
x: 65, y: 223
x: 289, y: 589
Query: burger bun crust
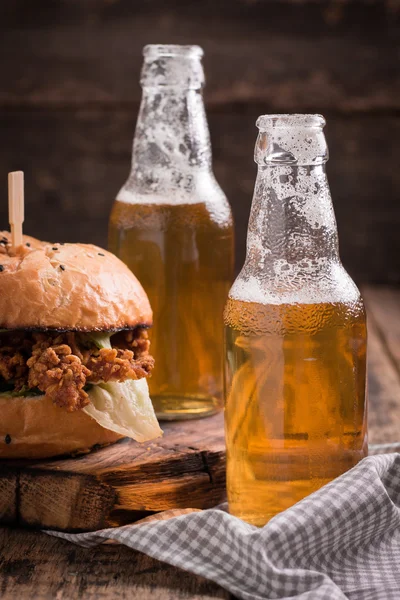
x: 68, y: 286
x: 77, y: 287
x: 34, y: 427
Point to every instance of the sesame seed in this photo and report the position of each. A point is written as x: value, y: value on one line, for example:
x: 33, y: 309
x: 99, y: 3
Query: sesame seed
x: 1, y: 268
x: 7, y: 439
x: 54, y: 248
x: 100, y: 254
x: 62, y: 267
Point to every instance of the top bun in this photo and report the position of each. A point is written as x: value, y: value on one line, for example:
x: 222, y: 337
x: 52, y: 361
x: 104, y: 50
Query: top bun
x: 67, y: 286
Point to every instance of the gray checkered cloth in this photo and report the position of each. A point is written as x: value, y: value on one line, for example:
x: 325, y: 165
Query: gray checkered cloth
x: 341, y: 542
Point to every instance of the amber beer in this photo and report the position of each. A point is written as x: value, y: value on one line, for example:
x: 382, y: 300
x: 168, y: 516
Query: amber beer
x: 182, y: 255
x: 295, y: 409
x: 295, y: 334
x: 172, y: 225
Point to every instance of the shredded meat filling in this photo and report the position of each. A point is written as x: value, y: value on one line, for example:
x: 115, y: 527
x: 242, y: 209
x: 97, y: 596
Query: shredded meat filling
x: 60, y: 374
x: 118, y: 365
x: 13, y: 366
x: 61, y: 365
x: 14, y: 352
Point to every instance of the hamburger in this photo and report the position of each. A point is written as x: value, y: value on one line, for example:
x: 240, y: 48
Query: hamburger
x: 74, y: 350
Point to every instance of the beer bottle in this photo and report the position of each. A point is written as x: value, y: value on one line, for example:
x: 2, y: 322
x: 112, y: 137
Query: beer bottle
x: 295, y: 333
x: 172, y: 225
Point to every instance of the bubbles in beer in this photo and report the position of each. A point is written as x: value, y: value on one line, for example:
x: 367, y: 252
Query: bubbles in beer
x: 182, y: 255
x: 295, y: 406
x: 295, y: 333
x: 172, y: 225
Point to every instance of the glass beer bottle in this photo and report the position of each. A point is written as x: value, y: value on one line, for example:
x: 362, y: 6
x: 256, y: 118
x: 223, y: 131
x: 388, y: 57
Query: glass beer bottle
x: 172, y: 225
x: 295, y: 328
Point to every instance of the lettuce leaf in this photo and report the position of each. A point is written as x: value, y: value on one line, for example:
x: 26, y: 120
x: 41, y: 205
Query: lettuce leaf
x: 125, y: 408
x: 100, y: 339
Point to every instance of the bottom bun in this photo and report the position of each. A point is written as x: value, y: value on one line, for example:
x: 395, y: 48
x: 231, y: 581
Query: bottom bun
x: 34, y: 427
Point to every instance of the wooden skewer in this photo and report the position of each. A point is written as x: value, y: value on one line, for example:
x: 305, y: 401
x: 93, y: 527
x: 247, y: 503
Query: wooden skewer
x: 16, y: 206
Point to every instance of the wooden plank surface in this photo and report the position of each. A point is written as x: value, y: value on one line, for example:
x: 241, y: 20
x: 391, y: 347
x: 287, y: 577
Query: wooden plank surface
x: 383, y: 309
x: 384, y: 306
x: 185, y: 468
x: 89, y: 53
x: 35, y: 566
x: 76, y: 161
x: 70, y: 96
x: 334, y: 57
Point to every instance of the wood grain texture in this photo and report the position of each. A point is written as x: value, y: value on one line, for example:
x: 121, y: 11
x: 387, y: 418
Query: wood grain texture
x: 383, y: 308
x: 75, y: 163
x: 68, y: 109
x: 34, y: 566
x: 183, y: 469
x: 288, y: 56
x: 9, y: 498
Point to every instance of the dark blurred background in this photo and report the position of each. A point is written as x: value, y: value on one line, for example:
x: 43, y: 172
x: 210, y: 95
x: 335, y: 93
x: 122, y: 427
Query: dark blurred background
x: 69, y: 99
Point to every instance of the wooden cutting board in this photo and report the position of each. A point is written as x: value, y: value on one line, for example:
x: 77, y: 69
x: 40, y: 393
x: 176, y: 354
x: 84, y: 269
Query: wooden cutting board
x: 118, y: 484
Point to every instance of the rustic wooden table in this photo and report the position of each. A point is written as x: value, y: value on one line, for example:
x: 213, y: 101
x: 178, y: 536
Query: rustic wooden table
x: 36, y: 566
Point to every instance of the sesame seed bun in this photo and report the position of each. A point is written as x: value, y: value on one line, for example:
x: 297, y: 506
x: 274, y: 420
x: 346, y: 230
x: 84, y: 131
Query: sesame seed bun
x: 68, y: 287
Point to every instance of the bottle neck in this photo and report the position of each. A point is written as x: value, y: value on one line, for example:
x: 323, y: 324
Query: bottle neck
x: 292, y: 225
x: 172, y: 141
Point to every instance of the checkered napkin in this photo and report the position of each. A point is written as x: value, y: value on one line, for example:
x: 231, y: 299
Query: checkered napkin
x: 341, y: 542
